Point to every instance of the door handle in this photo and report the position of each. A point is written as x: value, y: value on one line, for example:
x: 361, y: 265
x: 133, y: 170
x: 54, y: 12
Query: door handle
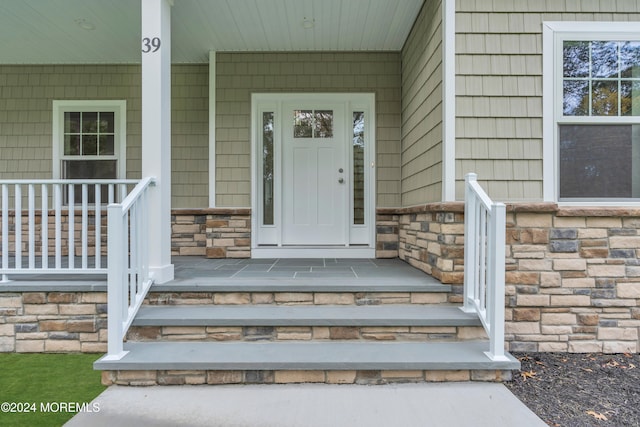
x: 340, y: 180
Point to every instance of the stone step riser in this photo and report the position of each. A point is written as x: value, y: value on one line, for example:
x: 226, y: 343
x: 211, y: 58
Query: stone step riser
x: 197, y: 377
x: 306, y: 333
x: 297, y: 298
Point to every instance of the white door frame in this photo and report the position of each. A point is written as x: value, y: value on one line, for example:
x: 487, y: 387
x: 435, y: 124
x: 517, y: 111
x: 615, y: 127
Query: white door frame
x: 266, y: 240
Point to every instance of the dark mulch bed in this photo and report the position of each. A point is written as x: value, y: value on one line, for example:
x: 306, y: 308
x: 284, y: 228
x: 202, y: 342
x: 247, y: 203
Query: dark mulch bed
x: 580, y: 389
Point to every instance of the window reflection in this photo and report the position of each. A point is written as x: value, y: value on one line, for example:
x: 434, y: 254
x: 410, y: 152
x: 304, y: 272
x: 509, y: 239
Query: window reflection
x: 576, y: 59
x: 601, y: 78
x: 313, y: 123
x: 324, y: 124
x: 358, y: 167
x: 604, y: 59
x: 267, y: 168
x: 303, y: 124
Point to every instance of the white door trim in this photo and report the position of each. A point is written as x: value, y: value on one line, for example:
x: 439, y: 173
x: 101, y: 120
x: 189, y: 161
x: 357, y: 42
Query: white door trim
x: 266, y: 240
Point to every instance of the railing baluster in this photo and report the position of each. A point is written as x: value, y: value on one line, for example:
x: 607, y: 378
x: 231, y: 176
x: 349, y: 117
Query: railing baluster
x: 482, y: 282
x: 122, y: 191
x: 85, y: 226
x: 133, y: 253
x: 5, y: 230
x: 98, y: 225
x: 32, y: 225
x: 127, y: 267
x: 57, y: 189
x: 18, y: 227
x: 71, y: 214
x: 44, y: 226
x: 144, y: 237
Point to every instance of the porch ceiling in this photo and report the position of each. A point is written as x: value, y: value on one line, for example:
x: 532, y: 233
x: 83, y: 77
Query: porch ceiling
x: 50, y: 32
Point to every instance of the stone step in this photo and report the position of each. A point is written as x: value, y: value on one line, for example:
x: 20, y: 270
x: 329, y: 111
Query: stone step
x: 304, y: 315
x: 304, y: 323
x: 306, y: 356
x: 385, y: 282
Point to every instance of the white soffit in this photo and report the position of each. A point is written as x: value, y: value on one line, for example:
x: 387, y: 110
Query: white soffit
x: 47, y: 31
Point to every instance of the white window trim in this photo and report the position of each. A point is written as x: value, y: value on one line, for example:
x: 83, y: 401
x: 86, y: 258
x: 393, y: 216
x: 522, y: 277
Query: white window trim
x: 552, y: 35
x: 118, y: 107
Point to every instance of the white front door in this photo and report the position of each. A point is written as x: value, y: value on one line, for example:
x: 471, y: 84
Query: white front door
x: 313, y: 176
x: 315, y: 180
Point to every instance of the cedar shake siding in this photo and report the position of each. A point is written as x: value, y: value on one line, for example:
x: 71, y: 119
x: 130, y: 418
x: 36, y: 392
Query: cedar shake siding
x: 422, y: 109
x: 499, y: 88
x: 241, y: 74
x: 26, y: 119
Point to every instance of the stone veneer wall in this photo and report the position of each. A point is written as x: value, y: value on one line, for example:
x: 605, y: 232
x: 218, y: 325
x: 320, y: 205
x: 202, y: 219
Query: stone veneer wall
x: 53, y: 322
x: 212, y: 232
x: 64, y: 227
x: 573, y: 279
x: 429, y: 237
x: 572, y: 274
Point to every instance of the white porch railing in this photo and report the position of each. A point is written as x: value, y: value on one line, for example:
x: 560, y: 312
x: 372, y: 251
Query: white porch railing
x: 61, y: 229
x: 484, y: 252
x: 128, y: 279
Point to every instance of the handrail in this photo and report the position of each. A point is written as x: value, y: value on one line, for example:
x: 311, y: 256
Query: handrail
x: 128, y: 278
x: 484, y: 263
x: 53, y: 222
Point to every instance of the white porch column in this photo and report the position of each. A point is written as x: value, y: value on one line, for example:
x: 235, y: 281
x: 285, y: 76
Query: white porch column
x: 156, y: 130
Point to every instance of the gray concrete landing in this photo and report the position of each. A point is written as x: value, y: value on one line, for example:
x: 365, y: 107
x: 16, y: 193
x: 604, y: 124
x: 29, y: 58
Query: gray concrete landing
x: 311, y: 405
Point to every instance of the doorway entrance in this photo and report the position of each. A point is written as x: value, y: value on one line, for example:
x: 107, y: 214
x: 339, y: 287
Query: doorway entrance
x: 313, y: 170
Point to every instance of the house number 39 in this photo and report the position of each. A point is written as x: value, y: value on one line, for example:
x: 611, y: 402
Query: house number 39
x: 150, y: 44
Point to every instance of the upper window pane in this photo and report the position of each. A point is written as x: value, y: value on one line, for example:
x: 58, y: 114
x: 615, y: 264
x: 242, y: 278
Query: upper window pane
x: 106, y: 122
x: 575, y: 100
x: 576, y: 59
x: 604, y: 59
x: 600, y: 78
x: 89, y: 133
x: 71, y: 122
x: 630, y: 60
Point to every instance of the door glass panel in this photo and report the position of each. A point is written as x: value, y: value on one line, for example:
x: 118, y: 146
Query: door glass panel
x: 323, y: 124
x: 303, y: 123
x: 313, y: 123
x: 267, y: 168
x: 358, y: 167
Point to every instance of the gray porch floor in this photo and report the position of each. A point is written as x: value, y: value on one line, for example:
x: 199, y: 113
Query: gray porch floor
x: 254, y: 275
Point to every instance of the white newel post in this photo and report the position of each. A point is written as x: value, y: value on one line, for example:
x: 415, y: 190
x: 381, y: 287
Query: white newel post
x: 156, y: 131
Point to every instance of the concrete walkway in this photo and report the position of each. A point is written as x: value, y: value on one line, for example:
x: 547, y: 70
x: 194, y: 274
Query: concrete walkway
x: 311, y: 405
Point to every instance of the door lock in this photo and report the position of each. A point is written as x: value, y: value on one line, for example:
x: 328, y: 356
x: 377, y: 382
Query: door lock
x: 340, y: 170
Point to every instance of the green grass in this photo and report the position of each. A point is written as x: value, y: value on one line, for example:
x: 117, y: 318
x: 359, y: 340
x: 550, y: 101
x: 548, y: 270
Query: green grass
x: 47, y: 379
